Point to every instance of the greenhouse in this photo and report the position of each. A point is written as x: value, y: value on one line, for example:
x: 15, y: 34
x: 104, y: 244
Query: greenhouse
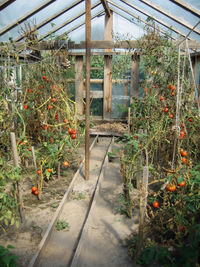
x: 99, y: 133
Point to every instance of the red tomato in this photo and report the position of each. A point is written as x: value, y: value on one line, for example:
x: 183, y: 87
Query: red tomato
x: 162, y: 98
x: 30, y: 149
x: 47, y: 80
x: 171, y: 187
x: 183, y: 153
x: 36, y: 192
x: 73, y: 136
x: 40, y: 86
x: 66, y: 121
x: 173, y: 87
x: 53, y: 100
x: 74, y: 131
x: 49, y: 170
x: 190, y: 119
x: 173, y: 94
x: 171, y: 116
x: 30, y: 90
x: 155, y: 204
x: 65, y: 163
x: 44, y: 77
x: 49, y: 106
x: 26, y: 106
x: 169, y: 86
x: 184, y: 160
x: 166, y: 109
x: 182, y: 184
x: 70, y: 131
x: 135, y: 136
x: 38, y: 172
x: 34, y: 189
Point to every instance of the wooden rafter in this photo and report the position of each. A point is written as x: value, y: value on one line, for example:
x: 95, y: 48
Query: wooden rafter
x: 56, y: 15
x: 169, y: 15
x: 26, y: 16
x: 187, y: 7
x: 156, y: 19
x: 67, y: 22
x: 5, y: 3
x: 134, y: 16
x: 106, y: 7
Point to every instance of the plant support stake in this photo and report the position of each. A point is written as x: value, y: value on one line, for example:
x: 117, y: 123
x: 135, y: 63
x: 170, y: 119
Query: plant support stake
x: 16, y: 164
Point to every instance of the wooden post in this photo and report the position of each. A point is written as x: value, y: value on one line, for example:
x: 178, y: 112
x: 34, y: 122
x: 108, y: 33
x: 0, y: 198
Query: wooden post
x: 107, y: 100
x: 79, y: 84
x: 134, y: 90
x: 16, y: 164
x: 34, y: 159
x: 87, y: 83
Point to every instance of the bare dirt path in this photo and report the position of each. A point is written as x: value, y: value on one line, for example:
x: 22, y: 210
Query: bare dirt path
x: 105, y: 241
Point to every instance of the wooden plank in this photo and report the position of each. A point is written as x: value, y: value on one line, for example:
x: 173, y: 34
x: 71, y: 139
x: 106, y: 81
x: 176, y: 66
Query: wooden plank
x: 106, y: 7
x: 79, y: 84
x: 54, y: 16
x: 71, y: 80
x: 55, y: 29
x: 187, y: 7
x: 134, y: 16
x: 63, y: 44
x: 134, y: 90
x: 92, y: 132
x: 169, y: 15
x: 87, y: 85
x: 107, y: 87
x: 34, y: 261
x: 5, y: 3
x: 26, y: 16
x: 170, y: 27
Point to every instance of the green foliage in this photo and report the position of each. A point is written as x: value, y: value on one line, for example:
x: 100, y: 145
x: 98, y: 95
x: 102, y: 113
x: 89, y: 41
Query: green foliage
x: 7, y: 259
x: 61, y: 225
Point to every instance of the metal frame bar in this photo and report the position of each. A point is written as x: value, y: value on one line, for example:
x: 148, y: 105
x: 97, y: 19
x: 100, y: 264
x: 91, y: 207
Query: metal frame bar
x: 26, y: 16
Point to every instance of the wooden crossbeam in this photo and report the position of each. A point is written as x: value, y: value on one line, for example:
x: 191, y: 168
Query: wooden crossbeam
x: 156, y: 19
x: 49, y: 19
x: 26, y: 16
x: 54, y: 45
x: 106, y: 7
x: 5, y: 3
x: 67, y: 22
x: 187, y: 7
x: 169, y: 15
x: 134, y: 16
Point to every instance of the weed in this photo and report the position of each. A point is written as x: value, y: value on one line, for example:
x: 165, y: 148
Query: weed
x: 61, y: 225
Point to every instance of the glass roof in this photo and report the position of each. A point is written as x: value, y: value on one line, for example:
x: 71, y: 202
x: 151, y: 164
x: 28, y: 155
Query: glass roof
x: 56, y: 17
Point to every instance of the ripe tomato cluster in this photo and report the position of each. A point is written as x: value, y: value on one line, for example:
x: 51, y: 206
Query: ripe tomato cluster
x: 35, y: 190
x: 72, y: 133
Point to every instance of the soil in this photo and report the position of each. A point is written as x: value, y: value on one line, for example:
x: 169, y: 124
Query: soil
x: 108, y: 230
x: 38, y: 213
x: 113, y: 127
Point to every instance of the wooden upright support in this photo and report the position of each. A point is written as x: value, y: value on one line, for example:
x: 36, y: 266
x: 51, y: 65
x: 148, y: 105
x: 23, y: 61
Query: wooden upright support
x: 134, y: 90
x: 107, y: 100
x: 87, y: 83
x: 79, y: 84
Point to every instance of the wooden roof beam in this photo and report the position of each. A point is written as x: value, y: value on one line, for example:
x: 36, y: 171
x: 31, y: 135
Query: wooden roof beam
x: 5, y: 3
x: 187, y: 7
x: 54, y: 16
x: 157, y: 20
x: 106, y: 7
x: 26, y: 16
x: 136, y: 17
x: 169, y: 15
